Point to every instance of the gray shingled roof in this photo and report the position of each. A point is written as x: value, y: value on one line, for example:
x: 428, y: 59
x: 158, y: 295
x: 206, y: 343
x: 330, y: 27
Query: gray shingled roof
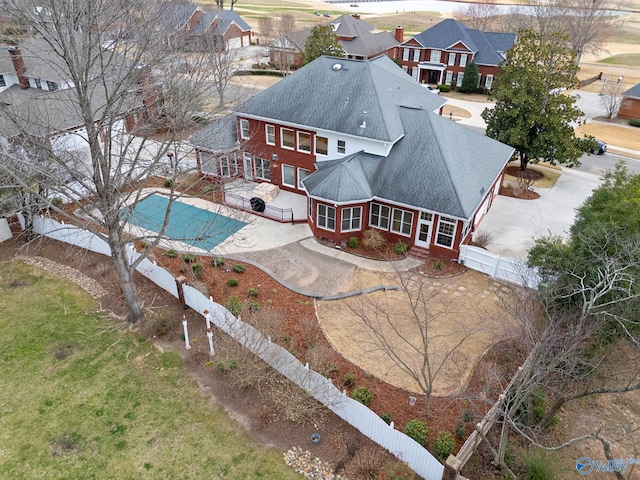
x: 175, y: 15
x: 227, y: 18
x: 633, y: 92
x: 363, y: 42
x: 221, y: 135
x: 438, y: 165
x: 333, y: 94
x: 485, y: 45
x: 6, y: 65
x: 350, y: 26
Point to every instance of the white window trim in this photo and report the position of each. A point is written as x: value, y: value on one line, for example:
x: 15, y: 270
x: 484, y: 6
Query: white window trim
x: 351, y: 217
x: 293, y: 136
x: 463, y: 59
x: 327, y: 208
x: 449, y: 77
x: 266, y: 134
x: 388, y: 217
x: 401, y: 222
x: 299, y: 143
x: 316, y: 145
x: 405, y: 54
x: 244, y: 127
x: 488, y: 81
x: 262, y: 162
x: 293, y: 170
x: 447, y: 221
x: 452, y: 59
x: 344, y: 147
x: 459, y: 79
x: 416, y: 55
x: 435, y: 56
x: 300, y: 177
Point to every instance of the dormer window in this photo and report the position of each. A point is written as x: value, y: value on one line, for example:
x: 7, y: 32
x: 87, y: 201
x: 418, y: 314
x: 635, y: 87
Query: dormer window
x: 52, y: 86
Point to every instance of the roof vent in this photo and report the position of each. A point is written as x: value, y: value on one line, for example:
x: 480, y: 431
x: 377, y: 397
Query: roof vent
x: 336, y: 67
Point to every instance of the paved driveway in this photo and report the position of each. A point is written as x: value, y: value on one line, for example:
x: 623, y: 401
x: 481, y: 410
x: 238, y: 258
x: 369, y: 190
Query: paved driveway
x: 515, y: 224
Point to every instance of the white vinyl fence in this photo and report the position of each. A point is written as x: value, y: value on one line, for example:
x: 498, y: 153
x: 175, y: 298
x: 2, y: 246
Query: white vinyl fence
x: 321, y: 388
x: 509, y: 269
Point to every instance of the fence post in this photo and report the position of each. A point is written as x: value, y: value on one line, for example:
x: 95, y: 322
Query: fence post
x: 180, y: 281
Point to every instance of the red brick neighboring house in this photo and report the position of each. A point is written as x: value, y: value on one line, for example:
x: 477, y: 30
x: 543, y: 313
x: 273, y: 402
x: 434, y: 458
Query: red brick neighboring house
x: 361, y: 140
x: 356, y: 37
x: 630, y: 105
x: 440, y: 54
x: 189, y: 27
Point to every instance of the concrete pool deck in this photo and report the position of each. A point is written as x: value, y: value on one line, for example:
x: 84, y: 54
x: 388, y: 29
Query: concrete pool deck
x: 260, y: 233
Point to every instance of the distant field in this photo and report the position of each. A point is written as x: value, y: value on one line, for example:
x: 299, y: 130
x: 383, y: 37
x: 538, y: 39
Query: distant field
x: 84, y: 398
x: 629, y: 59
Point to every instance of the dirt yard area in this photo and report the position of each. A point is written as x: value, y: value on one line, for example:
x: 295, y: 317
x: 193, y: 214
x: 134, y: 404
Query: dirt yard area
x: 465, y: 317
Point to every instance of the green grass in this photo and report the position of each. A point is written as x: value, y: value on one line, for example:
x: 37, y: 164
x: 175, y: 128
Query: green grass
x: 82, y: 397
x: 627, y: 59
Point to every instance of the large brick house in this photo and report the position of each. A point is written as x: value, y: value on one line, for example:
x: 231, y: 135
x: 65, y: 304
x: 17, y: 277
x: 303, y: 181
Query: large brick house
x: 189, y: 27
x: 37, y: 91
x: 361, y: 140
x: 356, y: 37
x: 440, y: 54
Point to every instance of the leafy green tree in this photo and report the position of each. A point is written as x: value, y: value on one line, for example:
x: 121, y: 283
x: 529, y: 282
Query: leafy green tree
x: 322, y: 41
x: 470, y: 79
x: 596, y: 272
x: 532, y: 114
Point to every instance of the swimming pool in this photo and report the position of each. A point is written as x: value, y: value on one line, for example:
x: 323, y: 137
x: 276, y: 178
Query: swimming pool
x: 192, y: 225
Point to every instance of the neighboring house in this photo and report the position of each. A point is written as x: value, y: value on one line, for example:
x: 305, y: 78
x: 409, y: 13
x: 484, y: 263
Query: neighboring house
x: 189, y: 27
x: 356, y: 37
x: 630, y: 105
x: 361, y: 140
x: 39, y: 99
x: 440, y: 54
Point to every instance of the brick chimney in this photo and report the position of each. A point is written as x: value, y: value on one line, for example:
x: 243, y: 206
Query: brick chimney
x: 399, y: 34
x: 18, y: 65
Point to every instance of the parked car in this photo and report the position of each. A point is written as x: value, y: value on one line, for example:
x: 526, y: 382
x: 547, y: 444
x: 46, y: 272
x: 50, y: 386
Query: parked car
x: 326, y: 14
x: 432, y: 89
x: 594, y: 146
x: 600, y: 148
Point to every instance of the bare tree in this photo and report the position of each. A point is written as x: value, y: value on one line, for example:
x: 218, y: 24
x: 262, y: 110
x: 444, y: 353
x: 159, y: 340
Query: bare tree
x: 419, y: 334
x: 611, y: 98
x: 567, y: 361
x: 587, y: 23
x: 481, y: 16
x: 116, y: 71
x: 282, y: 29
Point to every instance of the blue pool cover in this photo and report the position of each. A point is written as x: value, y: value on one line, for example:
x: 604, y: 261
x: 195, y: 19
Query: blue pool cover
x: 195, y: 226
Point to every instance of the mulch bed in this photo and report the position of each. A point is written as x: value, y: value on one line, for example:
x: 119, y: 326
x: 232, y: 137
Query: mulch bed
x: 300, y: 335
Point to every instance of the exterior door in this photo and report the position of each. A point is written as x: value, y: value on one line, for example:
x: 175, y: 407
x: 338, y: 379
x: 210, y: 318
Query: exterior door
x: 423, y: 235
x: 248, y: 167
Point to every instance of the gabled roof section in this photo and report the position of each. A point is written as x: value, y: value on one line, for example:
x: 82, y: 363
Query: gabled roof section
x: 229, y: 17
x: 220, y: 136
x: 205, y: 23
x: 438, y: 165
x: 293, y: 41
x: 175, y: 15
x: 633, y: 92
x: 486, y: 45
x: 334, y: 94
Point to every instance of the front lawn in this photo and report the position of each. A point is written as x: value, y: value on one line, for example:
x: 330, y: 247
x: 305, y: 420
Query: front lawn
x: 84, y: 398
